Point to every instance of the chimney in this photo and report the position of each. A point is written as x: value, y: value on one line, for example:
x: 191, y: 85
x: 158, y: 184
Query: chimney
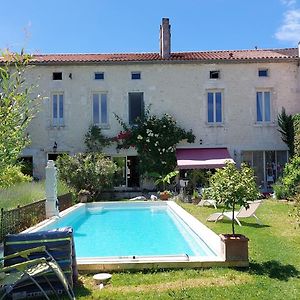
x: 165, y: 39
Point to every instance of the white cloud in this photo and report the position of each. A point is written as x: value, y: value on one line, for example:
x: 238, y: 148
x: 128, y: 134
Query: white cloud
x: 290, y: 29
x: 289, y: 2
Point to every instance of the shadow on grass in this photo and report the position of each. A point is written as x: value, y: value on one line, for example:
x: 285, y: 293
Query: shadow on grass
x: 81, y: 290
x: 253, y: 224
x: 274, y: 269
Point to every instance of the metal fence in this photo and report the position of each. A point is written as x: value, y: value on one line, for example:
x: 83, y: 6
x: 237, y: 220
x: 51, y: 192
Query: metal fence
x: 23, y: 217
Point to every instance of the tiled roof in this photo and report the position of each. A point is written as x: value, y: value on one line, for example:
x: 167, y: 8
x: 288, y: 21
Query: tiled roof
x: 234, y: 55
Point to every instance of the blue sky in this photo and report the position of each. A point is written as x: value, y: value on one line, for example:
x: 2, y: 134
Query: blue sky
x: 116, y: 26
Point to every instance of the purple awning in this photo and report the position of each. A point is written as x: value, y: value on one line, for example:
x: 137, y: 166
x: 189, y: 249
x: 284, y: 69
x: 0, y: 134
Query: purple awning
x: 202, y: 158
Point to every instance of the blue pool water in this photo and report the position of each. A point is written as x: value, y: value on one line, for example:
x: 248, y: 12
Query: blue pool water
x: 132, y: 231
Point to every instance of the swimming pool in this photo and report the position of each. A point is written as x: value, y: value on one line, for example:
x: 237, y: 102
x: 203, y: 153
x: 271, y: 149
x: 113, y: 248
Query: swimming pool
x: 117, y: 235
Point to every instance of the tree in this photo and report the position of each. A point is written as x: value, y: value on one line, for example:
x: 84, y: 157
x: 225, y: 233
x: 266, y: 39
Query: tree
x: 232, y: 186
x: 91, y: 171
x: 287, y: 130
x: 155, y: 139
x: 95, y: 141
x: 17, y: 107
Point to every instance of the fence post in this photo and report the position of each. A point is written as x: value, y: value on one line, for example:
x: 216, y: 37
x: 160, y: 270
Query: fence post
x: 51, y: 190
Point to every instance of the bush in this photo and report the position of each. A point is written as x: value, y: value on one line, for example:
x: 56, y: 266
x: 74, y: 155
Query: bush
x: 12, y: 175
x: 91, y: 172
x: 286, y: 187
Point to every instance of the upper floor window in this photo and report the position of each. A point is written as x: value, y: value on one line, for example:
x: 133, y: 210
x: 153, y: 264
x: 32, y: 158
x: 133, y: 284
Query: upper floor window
x: 263, y: 106
x: 99, y: 76
x: 135, y: 75
x: 58, y: 109
x: 57, y: 76
x: 136, y: 106
x: 100, y: 109
x: 263, y: 73
x: 214, y: 74
x: 214, y: 107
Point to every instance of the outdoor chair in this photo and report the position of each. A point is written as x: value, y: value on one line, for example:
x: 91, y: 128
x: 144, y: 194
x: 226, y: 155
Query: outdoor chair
x: 28, y: 271
x: 208, y: 202
x: 242, y: 213
x: 58, y: 244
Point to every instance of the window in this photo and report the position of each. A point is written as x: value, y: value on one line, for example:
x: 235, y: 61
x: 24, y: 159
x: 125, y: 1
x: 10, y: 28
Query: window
x: 136, y: 106
x: 214, y: 107
x: 263, y: 106
x: 57, y: 76
x: 100, y: 113
x: 263, y: 72
x: 58, y: 109
x: 214, y: 74
x: 135, y: 75
x: 99, y: 76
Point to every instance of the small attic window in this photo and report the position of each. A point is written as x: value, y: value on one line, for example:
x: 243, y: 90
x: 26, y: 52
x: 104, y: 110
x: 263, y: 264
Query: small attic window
x: 57, y: 76
x: 99, y: 76
x: 214, y: 74
x: 135, y: 75
x: 263, y: 73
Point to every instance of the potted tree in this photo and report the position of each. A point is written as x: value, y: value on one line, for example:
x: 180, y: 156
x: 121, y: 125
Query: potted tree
x: 164, y: 180
x: 234, y: 187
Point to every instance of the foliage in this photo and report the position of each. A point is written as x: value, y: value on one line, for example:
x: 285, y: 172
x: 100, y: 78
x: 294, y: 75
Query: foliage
x: 231, y: 187
x: 164, y: 180
x: 296, y: 119
x: 197, y: 178
x: 17, y: 108
x: 286, y: 124
x: 12, y: 175
x: 91, y: 171
x: 95, y: 141
x: 286, y: 186
x: 155, y: 139
x: 296, y: 209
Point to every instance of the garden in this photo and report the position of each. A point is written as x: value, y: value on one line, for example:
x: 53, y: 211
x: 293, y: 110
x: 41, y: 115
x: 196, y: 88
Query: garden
x: 274, y: 269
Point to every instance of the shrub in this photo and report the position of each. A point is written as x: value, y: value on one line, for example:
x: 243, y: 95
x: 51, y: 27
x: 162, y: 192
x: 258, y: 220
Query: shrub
x: 12, y: 175
x: 286, y: 187
x: 91, y: 172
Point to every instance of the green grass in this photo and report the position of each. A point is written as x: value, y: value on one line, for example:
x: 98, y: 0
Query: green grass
x: 25, y: 193
x: 274, y: 271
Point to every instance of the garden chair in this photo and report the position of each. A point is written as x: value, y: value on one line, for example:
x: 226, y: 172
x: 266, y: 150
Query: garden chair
x: 59, y: 245
x: 27, y: 271
x: 242, y: 213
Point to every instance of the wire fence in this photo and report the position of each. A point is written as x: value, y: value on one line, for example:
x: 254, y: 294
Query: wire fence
x: 20, y: 218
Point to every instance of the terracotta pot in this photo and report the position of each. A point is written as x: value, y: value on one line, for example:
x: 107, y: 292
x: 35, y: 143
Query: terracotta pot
x: 82, y: 198
x: 235, y: 247
x: 164, y: 196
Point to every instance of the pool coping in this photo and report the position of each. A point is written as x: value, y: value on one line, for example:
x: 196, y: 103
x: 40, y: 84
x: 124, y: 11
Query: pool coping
x: 96, y: 264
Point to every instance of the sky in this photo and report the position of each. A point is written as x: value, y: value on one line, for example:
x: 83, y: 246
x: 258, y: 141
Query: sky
x: 131, y: 26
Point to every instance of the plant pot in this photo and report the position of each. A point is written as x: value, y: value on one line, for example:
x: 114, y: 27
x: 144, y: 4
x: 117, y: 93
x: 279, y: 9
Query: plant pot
x: 164, y: 196
x: 196, y: 200
x: 235, y: 248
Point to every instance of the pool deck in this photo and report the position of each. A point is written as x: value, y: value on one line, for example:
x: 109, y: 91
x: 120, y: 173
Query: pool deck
x: 118, y: 264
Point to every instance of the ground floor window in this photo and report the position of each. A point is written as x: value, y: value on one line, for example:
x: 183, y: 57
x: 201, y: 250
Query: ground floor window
x: 128, y: 172
x: 268, y: 165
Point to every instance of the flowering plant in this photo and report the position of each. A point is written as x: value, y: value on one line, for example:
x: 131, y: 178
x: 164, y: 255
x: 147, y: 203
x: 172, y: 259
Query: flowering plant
x: 155, y: 139
x: 166, y: 193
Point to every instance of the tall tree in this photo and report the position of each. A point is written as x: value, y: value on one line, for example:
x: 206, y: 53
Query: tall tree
x: 17, y: 107
x: 287, y: 130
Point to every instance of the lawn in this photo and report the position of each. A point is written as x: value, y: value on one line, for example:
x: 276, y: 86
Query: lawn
x: 25, y: 193
x: 274, y: 271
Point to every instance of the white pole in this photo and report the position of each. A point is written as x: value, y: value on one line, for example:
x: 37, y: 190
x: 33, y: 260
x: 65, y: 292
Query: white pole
x: 51, y: 190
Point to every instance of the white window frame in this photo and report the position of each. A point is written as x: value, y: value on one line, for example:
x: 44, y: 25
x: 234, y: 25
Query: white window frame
x: 263, y: 112
x: 101, y: 123
x: 58, y: 121
x: 214, y: 122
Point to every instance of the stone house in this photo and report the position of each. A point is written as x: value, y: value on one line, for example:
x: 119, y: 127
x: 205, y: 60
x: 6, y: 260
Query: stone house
x: 230, y: 99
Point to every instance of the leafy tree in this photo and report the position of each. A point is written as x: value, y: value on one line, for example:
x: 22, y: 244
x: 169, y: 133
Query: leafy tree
x: 287, y: 130
x: 232, y: 186
x: 17, y: 107
x: 95, y: 141
x: 155, y: 139
x: 91, y: 171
